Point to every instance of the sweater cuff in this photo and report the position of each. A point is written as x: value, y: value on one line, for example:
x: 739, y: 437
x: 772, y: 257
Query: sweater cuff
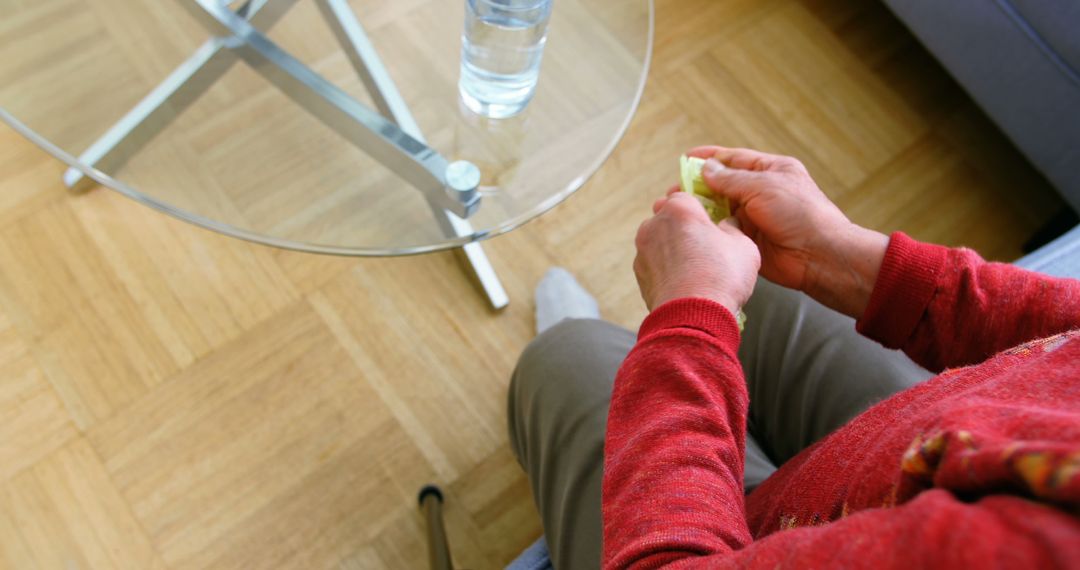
x: 903, y: 290
x: 695, y: 313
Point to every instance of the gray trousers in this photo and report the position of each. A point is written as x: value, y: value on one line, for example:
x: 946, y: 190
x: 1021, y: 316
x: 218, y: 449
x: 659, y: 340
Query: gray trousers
x: 807, y: 371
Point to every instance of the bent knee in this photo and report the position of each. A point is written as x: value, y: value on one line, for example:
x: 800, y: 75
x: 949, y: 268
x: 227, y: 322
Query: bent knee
x: 562, y: 339
x: 574, y: 355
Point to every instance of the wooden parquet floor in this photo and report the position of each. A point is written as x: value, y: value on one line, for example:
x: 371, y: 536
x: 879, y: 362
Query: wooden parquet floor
x: 171, y: 398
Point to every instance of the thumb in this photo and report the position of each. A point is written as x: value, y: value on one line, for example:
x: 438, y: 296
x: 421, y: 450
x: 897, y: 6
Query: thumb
x: 731, y: 183
x: 731, y: 224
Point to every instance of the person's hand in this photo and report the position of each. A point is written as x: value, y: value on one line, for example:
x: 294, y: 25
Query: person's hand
x: 806, y: 242
x: 682, y: 253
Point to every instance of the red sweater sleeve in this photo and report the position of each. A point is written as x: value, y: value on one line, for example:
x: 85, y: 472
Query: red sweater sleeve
x: 673, y: 468
x: 675, y: 445
x: 948, y: 307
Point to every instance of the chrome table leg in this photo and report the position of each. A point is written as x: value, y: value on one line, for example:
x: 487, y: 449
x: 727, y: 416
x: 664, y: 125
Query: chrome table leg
x: 393, y: 137
x: 416, y: 163
x: 365, y: 59
x: 179, y: 90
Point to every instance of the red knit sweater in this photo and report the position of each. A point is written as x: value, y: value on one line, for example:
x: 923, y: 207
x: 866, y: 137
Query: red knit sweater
x: 976, y: 468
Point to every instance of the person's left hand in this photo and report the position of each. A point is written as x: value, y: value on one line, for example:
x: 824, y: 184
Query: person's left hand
x: 682, y: 253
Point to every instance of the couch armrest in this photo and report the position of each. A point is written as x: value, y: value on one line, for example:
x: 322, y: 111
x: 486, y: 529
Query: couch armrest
x: 1060, y: 258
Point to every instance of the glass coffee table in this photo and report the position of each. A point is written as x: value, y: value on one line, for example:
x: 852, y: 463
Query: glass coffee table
x: 323, y: 126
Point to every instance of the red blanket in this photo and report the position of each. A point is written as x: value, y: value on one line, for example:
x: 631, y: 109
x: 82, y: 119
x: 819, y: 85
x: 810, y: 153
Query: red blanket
x: 976, y: 468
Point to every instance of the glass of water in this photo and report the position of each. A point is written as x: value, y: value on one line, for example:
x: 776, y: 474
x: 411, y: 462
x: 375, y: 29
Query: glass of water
x: 500, y: 54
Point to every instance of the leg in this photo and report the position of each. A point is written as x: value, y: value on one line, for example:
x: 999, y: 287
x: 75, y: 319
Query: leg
x: 474, y: 260
x: 558, y: 407
x: 809, y: 372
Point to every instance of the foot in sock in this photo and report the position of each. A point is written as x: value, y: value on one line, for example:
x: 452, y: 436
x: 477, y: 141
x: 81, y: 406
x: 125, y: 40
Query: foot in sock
x: 559, y: 296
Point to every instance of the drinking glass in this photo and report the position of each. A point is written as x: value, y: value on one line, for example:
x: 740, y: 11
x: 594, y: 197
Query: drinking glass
x: 501, y: 49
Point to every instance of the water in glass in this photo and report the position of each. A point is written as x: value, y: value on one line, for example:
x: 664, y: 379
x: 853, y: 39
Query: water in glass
x: 501, y: 50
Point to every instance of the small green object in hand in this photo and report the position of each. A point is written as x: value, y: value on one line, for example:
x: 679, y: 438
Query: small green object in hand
x: 694, y: 184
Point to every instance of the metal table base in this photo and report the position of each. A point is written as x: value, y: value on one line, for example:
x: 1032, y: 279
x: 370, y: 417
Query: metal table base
x: 390, y: 135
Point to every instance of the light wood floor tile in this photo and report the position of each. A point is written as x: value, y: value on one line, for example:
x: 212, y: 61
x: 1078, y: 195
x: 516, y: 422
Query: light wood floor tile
x: 498, y: 500
x: 913, y: 182
x: 352, y: 494
x: 29, y: 178
x: 76, y: 269
x: 12, y: 346
x: 33, y: 421
x: 689, y: 28
x: 363, y: 559
x: 14, y: 553
x: 262, y: 418
x: 444, y: 383
x: 197, y: 290
x: 308, y: 272
x: 733, y: 115
x: 91, y: 338
x: 835, y: 108
x: 65, y: 513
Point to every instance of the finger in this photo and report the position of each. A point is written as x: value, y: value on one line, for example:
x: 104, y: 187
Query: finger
x: 734, y: 207
x: 673, y: 189
x: 708, y: 151
x: 746, y: 158
x: 683, y: 204
x: 730, y: 224
x: 733, y: 184
x: 658, y: 204
x: 749, y: 159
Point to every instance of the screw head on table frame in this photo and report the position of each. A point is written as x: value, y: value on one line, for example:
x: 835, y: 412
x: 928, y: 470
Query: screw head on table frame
x: 463, y: 181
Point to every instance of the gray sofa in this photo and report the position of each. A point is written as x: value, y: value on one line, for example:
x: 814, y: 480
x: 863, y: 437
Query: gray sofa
x: 1060, y: 258
x: 1020, y: 61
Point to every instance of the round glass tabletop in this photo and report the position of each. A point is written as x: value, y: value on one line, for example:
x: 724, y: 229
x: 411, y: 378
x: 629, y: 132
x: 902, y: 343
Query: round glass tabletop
x: 227, y: 121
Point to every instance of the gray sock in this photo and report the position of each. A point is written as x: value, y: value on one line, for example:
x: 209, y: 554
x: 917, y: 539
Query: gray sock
x: 559, y: 296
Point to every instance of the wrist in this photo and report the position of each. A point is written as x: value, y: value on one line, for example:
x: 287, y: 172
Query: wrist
x: 723, y: 300
x: 842, y: 277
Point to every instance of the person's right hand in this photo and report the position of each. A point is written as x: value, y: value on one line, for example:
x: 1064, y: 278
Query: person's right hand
x: 806, y: 242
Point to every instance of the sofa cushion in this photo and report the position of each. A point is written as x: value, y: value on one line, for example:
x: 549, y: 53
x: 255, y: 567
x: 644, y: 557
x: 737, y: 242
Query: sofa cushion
x: 1060, y: 258
x: 1054, y: 23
